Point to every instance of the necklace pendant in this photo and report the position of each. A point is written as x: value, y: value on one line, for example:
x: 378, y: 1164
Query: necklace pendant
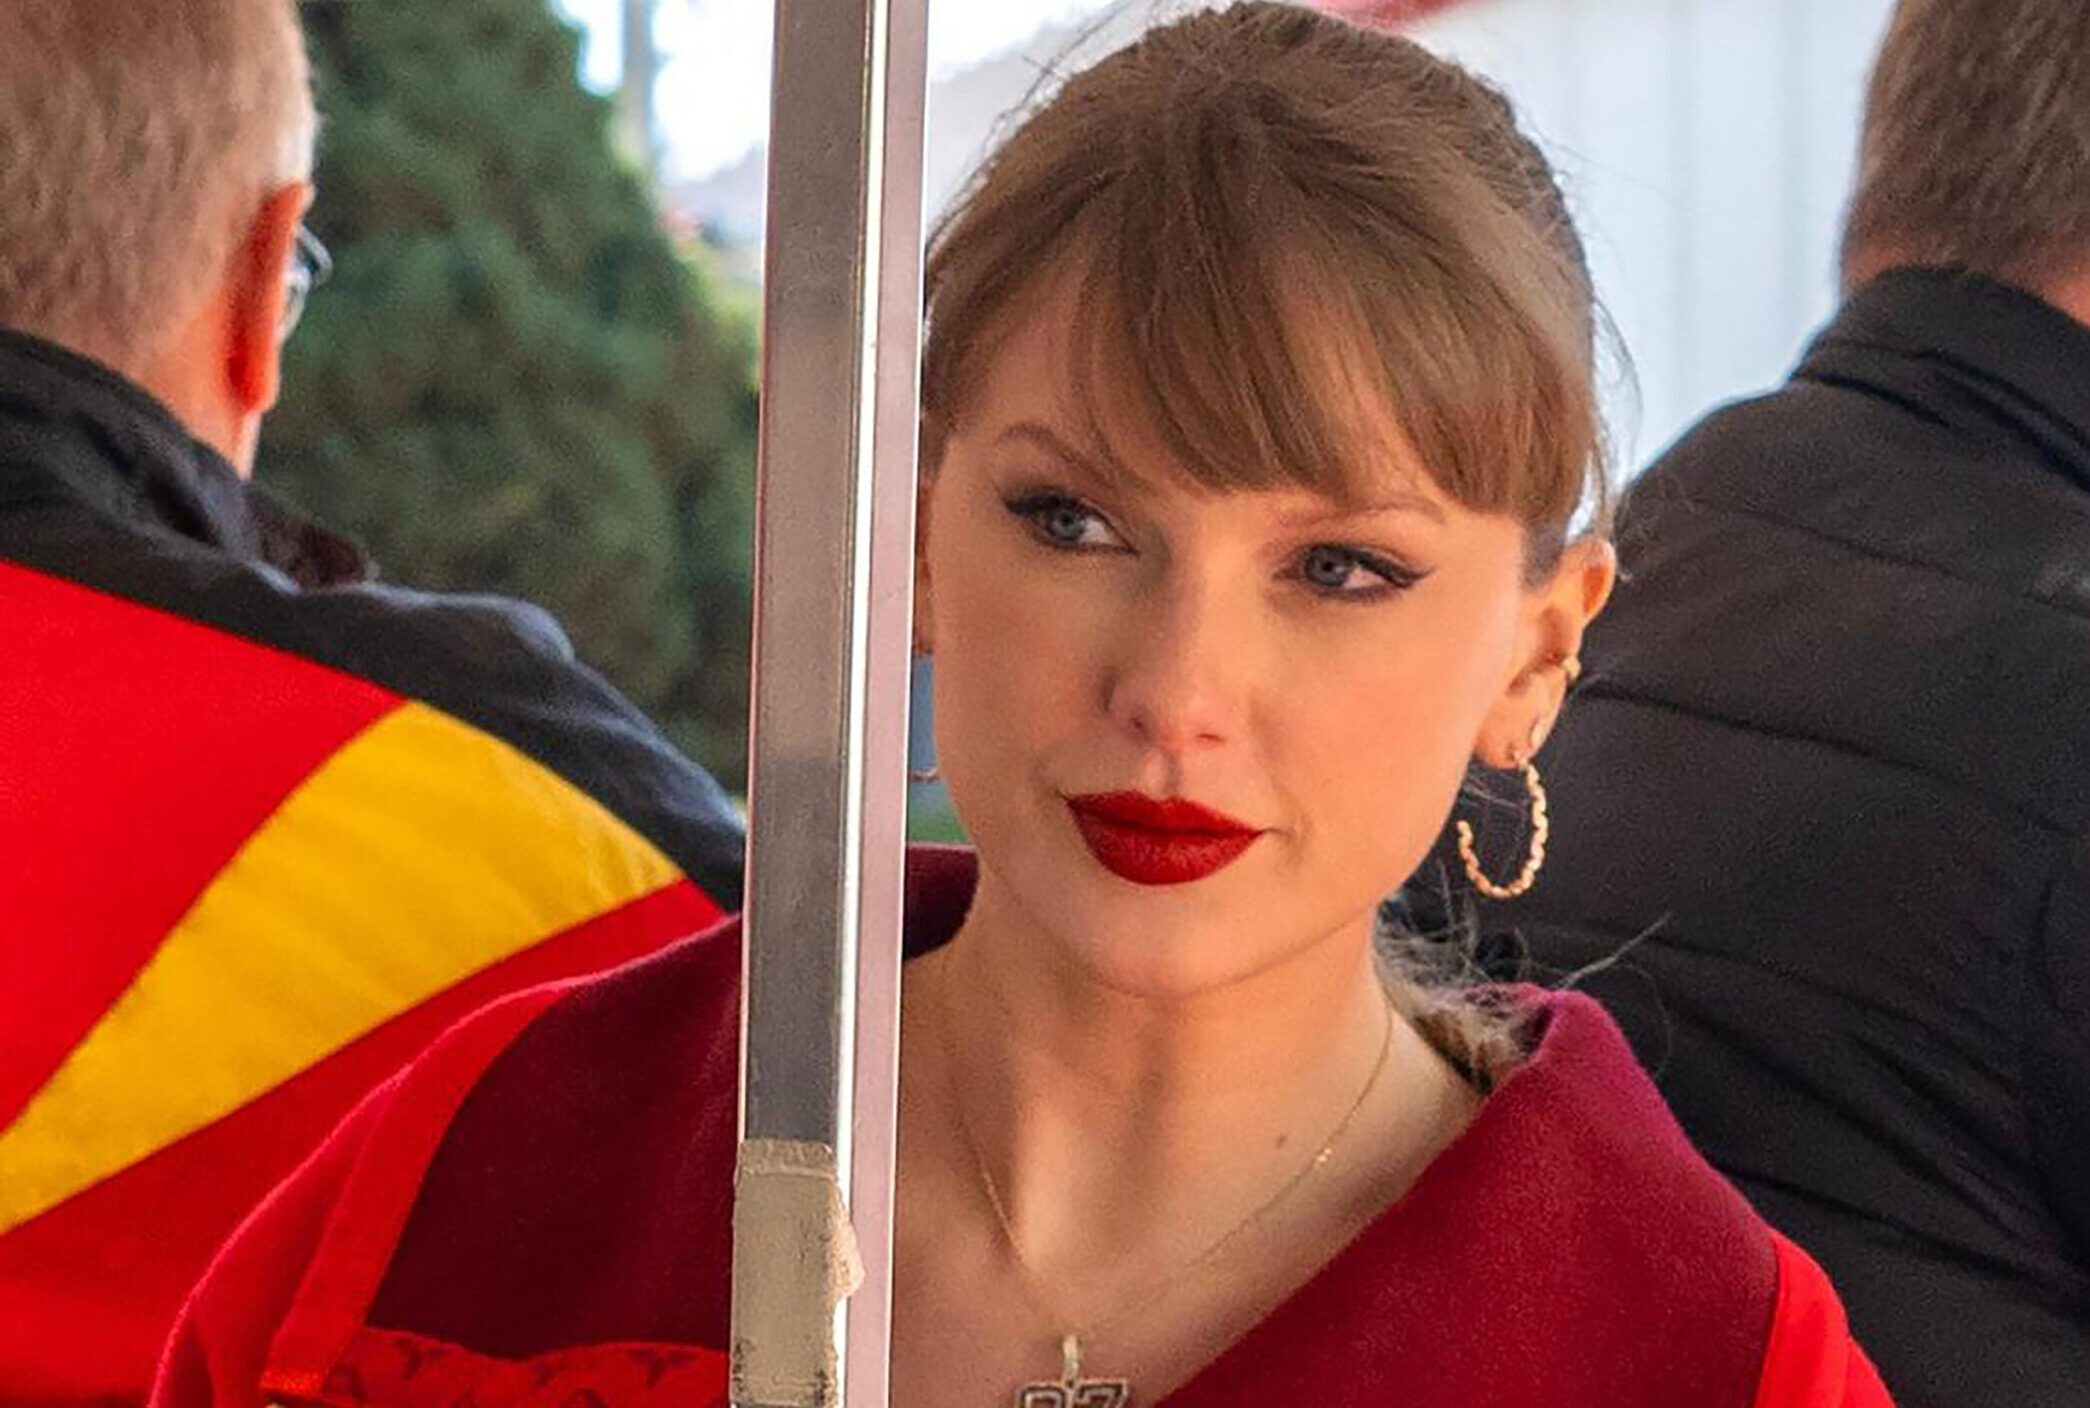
x: 1073, y: 1390
x: 1076, y: 1393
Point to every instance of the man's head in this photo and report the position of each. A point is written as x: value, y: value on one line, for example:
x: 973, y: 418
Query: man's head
x: 154, y: 164
x: 1976, y: 148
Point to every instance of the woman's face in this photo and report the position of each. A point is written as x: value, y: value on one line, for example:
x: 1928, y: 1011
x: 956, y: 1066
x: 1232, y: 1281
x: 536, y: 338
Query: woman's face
x: 1314, y: 676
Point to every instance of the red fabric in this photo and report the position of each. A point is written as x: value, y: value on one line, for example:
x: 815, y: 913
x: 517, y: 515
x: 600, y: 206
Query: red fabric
x: 365, y: 1227
x: 104, y: 704
x: 1811, y: 1360
x: 221, y: 1343
x: 1568, y: 1250
x: 139, y: 752
x: 390, y: 1369
x: 236, y: 1333
x: 88, y: 1290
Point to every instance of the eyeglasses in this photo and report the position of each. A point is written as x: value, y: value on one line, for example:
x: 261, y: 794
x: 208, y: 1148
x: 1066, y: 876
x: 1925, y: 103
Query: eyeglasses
x: 310, y: 266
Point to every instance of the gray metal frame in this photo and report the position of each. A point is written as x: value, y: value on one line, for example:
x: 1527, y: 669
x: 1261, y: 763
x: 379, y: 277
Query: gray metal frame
x: 833, y: 630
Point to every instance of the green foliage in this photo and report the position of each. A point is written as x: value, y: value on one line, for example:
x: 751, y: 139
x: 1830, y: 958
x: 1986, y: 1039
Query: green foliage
x: 516, y: 381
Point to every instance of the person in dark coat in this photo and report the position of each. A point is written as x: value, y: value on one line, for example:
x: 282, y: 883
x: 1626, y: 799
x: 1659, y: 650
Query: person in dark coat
x: 1821, y: 817
x: 266, y: 827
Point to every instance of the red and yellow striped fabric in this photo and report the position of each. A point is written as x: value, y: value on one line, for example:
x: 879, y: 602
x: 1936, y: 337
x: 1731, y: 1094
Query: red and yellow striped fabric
x: 238, y: 889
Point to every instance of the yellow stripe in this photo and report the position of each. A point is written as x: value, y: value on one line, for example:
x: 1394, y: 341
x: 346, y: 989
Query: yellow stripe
x: 422, y: 852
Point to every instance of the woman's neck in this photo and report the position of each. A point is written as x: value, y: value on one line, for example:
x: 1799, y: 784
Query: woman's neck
x: 1124, y: 1134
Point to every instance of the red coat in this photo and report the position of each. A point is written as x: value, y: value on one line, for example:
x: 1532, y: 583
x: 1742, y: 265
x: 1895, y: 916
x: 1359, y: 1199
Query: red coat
x: 540, y: 1210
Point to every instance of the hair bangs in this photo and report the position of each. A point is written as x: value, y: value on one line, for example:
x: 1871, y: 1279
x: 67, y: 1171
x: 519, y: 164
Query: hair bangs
x: 1290, y: 254
x: 1265, y: 350
x: 1204, y: 322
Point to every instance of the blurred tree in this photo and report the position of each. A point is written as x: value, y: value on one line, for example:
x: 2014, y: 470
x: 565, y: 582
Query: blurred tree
x: 516, y: 382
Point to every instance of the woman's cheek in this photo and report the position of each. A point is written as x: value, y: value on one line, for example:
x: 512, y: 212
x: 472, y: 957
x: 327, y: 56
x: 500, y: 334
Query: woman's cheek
x: 1012, y: 647
x: 1039, y: 624
x: 1394, y: 746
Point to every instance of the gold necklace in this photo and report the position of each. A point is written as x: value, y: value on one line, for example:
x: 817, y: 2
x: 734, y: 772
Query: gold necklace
x: 1073, y: 1389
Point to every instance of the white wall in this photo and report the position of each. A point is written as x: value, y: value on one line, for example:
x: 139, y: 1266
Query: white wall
x: 1707, y: 147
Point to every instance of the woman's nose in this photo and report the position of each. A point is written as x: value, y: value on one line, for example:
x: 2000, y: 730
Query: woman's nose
x: 1178, y: 679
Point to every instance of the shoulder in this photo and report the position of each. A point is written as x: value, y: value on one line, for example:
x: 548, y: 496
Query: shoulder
x: 244, y: 596
x: 1880, y: 486
x: 1669, y: 1250
x: 1584, y: 1123
x: 1810, y: 1360
x: 1621, y: 1256
x: 1807, y: 468
x: 1898, y: 580
x: 506, y: 667
x: 501, y: 667
x: 1570, y: 1248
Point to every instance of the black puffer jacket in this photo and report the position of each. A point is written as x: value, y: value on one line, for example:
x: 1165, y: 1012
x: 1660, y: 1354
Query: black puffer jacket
x: 1827, y: 789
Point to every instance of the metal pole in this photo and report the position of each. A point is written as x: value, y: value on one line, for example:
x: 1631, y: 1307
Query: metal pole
x: 636, y: 110
x: 833, y: 578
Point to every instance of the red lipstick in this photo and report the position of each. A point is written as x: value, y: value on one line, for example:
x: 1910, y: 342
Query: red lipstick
x: 1165, y: 842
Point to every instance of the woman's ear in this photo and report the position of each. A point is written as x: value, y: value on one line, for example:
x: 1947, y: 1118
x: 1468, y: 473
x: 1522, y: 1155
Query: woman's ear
x: 1583, y: 581
x: 1557, y: 613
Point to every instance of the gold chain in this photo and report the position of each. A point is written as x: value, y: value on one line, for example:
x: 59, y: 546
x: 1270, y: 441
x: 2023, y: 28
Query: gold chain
x: 1034, y: 1283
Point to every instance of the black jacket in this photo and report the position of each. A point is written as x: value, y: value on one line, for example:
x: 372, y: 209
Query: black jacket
x: 1821, y: 823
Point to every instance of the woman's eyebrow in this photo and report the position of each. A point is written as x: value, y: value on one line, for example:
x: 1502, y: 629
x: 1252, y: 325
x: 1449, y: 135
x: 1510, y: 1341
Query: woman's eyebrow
x: 1389, y: 501
x: 1043, y: 437
x: 1103, y: 468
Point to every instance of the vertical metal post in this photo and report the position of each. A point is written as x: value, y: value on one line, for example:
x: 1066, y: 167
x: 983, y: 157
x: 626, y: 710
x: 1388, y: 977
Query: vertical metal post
x: 637, y: 113
x: 834, y: 573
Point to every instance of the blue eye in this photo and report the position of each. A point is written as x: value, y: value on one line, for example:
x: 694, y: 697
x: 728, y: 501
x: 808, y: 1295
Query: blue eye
x: 1328, y: 568
x: 1337, y: 571
x: 1063, y: 521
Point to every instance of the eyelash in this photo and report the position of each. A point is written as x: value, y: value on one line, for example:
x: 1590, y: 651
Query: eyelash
x: 1033, y: 507
x: 1395, y: 576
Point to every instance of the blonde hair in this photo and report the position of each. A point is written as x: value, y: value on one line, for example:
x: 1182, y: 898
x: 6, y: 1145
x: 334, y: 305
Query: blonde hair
x: 137, y: 140
x: 1976, y: 145
x: 1274, y: 218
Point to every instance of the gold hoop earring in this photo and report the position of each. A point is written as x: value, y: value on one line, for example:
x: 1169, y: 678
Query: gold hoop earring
x: 1533, y: 861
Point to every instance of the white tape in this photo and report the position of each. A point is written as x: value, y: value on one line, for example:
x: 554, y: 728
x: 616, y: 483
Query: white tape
x: 795, y: 1259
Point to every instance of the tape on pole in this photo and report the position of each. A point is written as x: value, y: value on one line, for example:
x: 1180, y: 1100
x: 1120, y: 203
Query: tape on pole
x: 795, y: 1260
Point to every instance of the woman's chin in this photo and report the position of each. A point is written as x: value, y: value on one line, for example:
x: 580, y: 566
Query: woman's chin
x: 1159, y: 942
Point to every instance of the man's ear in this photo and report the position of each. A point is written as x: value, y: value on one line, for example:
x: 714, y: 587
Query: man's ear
x: 257, y: 288
x: 1557, y: 613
